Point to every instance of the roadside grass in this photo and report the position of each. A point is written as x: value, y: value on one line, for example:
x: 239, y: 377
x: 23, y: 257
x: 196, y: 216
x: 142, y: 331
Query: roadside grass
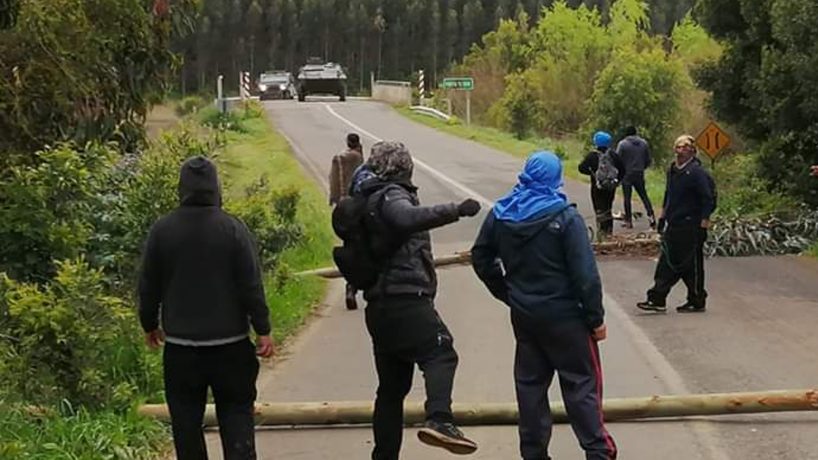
x: 813, y: 251
x: 570, y: 148
x: 80, y: 435
x: 257, y: 151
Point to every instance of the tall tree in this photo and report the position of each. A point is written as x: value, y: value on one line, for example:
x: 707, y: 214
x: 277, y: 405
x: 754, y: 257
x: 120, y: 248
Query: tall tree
x: 765, y: 83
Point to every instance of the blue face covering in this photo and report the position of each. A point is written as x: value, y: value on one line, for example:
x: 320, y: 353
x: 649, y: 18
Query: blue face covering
x: 539, y: 190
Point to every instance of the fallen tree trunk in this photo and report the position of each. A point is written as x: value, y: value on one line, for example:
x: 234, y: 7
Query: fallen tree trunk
x: 641, y: 247
x: 359, y: 413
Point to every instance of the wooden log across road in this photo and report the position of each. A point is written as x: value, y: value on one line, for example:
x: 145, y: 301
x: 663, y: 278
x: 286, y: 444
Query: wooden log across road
x: 359, y: 413
x: 640, y: 246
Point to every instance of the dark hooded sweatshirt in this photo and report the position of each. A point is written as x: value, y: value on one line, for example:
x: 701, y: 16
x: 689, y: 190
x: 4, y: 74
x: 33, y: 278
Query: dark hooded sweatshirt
x: 543, y: 268
x: 200, y: 270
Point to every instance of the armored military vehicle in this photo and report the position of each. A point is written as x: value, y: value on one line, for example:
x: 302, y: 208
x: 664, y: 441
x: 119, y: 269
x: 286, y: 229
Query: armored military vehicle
x: 318, y: 77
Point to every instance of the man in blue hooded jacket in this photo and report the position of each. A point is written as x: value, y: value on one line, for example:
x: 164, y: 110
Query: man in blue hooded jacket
x: 533, y: 254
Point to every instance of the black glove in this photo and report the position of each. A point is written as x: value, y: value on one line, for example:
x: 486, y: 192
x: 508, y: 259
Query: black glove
x: 468, y: 208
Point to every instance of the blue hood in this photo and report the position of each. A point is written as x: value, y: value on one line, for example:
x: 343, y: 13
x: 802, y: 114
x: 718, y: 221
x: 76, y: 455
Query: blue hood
x: 539, y: 190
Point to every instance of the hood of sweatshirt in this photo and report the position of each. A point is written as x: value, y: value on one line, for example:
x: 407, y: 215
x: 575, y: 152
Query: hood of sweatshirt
x: 199, y: 183
x: 523, y: 232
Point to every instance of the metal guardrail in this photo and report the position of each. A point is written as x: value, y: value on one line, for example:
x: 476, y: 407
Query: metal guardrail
x: 430, y: 112
x: 392, y: 83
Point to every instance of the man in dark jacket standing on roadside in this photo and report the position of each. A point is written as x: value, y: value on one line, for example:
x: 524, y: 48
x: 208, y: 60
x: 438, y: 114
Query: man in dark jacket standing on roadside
x: 690, y: 199
x: 400, y: 314
x: 200, y: 289
x: 344, y: 166
x: 634, y: 156
x: 534, y: 255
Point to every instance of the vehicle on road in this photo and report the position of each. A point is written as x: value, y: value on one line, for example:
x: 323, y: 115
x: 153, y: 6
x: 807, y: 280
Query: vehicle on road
x: 318, y: 77
x: 276, y: 85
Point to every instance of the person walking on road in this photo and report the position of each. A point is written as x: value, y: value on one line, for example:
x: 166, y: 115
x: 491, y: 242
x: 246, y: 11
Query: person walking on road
x: 344, y: 165
x: 690, y: 199
x: 533, y: 254
x: 400, y: 314
x: 602, y: 194
x: 200, y: 274
x: 635, y: 157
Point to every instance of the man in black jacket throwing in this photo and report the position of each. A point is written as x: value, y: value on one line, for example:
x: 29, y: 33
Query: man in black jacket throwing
x: 201, y: 276
x: 534, y: 255
x: 400, y: 314
x: 689, y: 201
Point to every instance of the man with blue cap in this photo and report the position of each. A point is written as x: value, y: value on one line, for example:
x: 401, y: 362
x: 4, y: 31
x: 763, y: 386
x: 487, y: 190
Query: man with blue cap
x: 600, y: 162
x: 534, y: 255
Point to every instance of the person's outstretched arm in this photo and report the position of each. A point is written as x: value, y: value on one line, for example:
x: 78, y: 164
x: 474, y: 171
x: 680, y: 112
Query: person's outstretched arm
x: 398, y: 211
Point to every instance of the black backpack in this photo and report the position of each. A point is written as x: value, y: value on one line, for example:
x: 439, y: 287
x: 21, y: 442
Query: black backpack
x: 367, y: 245
x: 607, y: 174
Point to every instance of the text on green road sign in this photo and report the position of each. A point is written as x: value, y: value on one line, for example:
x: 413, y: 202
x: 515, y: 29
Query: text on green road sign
x: 463, y: 83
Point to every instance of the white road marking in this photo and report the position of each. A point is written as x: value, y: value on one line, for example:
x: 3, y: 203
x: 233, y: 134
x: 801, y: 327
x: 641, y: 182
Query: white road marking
x: 466, y: 190
x: 670, y: 377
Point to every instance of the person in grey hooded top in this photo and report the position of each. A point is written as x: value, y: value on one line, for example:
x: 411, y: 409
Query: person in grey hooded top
x: 534, y: 255
x: 633, y: 153
x: 200, y: 275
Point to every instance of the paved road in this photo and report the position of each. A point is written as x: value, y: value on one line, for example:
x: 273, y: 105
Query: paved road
x: 757, y: 335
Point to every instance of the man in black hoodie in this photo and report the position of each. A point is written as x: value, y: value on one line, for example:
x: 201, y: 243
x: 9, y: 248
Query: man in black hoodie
x: 406, y: 329
x: 200, y: 289
x: 690, y: 199
x: 533, y: 254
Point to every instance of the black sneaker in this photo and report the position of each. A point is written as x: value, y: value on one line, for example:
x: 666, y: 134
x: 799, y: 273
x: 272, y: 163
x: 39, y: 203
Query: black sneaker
x: 650, y: 305
x: 447, y: 436
x: 652, y: 222
x: 690, y: 308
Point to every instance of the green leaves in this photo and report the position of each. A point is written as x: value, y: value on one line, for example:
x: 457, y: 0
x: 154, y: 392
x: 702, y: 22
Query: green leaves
x: 82, y: 71
x: 765, y: 84
x: 642, y: 89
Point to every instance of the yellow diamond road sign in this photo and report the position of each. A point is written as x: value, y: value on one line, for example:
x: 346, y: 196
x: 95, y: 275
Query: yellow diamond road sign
x: 713, y: 140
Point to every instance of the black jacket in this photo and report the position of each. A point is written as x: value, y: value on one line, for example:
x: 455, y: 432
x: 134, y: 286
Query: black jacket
x: 690, y: 195
x: 590, y: 164
x: 634, y: 155
x: 544, y: 268
x: 200, y: 270
x: 409, y: 271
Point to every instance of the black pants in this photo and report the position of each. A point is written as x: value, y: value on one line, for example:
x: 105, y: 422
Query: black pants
x: 603, y: 204
x: 631, y: 182
x: 406, y: 332
x: 230, y: 371
x: 682, y: 258
x: 567, y: 348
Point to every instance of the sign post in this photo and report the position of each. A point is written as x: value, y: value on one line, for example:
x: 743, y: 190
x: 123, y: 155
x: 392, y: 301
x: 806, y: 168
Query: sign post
x: 220, y: 102
x: 713, y: 141
x: 461, y: 84
x: 421, y: 86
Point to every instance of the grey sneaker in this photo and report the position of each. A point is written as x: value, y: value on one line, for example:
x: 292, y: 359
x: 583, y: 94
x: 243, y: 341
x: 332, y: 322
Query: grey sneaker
x: 446, y: 436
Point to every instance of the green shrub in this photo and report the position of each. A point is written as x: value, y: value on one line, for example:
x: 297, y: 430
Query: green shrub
x: 271, y: 217
x: 519, y: 112
x: 744, y: 193
x: 71, y: 340
x: 642, y: 89
x: 190, y: 105
x: 46, y: 209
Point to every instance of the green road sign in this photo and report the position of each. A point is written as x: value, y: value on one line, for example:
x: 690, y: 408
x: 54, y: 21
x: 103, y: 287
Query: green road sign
x: 462, y: 83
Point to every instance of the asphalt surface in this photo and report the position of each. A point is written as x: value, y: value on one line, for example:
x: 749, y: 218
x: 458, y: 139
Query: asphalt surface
x: 758, y: 333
